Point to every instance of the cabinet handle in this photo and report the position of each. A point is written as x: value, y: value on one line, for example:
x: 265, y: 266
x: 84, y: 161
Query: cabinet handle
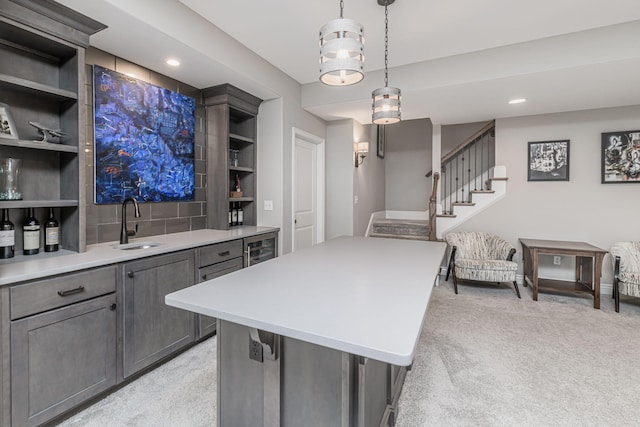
x: 131, y: 274
x: 112, y: 307
x: 71, y: 291
x: 224, y: 253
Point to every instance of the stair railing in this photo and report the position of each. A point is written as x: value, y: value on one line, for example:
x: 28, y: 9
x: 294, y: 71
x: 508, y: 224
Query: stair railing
x: 432, y: 207
x: 466, y: 168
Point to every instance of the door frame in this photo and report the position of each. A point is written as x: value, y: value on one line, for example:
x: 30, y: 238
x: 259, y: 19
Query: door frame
x: 297, y: 133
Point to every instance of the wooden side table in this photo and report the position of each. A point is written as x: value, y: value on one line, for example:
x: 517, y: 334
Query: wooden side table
x: 588, y: 266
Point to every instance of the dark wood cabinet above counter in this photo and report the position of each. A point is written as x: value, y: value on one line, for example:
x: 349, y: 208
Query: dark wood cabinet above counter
x: 232, y: 116
x: 42, y: 80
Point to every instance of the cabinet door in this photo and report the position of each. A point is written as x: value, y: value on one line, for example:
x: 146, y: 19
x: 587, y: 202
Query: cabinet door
x: 153, y: 330
x: 61, y: 358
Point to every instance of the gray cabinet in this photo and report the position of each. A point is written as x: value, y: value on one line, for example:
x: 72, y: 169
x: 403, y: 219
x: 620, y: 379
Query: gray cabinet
x: 151, y: 329
x: 231, y: 125
x: 63, y: 343
x: 215, y: 261
x: 42, y: 80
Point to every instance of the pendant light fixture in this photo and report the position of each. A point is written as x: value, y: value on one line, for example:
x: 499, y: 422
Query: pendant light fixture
x: 386, y: 100
x: 341, y: 51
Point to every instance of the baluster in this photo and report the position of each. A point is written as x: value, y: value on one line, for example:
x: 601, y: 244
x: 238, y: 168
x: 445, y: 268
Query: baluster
x: 481, y: 163
x: 488, y: 160
x: 475, y: 164
x: 457, y: 177
x: 450, y: 188
x: 469, y: 174
x: 462, y: 173
x: 445, y: 185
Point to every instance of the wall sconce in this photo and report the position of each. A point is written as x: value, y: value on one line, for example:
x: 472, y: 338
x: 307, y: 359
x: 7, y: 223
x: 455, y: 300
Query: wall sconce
x: 361, y: 148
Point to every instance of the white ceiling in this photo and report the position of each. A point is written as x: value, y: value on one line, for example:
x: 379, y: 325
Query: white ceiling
x: 455, y: 61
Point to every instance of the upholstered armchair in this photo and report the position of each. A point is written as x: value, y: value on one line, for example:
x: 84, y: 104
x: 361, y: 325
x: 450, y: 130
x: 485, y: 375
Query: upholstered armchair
x: 481, y: 257
x: 626, y: 270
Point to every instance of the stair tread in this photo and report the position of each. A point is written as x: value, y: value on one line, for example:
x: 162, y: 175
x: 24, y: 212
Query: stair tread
x: 402, y: 221
x: 445, y: 216
x: 463, y: 204
x: 398, y: 236
x: 483, y: 191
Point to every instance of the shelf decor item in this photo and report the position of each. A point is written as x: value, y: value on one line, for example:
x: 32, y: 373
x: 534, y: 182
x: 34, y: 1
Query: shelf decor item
x: 9, y: 176
x: 47, y: 132
x: 7, y: 125
x: 621, y: 157
x: 237, y: 189
x: 144, y: 140
x: 548, y: 161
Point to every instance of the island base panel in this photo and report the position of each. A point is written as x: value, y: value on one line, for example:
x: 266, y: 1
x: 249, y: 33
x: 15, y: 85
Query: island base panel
x: 306, y: 384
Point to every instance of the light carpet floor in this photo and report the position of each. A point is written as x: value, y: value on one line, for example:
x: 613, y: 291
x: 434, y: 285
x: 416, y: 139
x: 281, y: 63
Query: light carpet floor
x: 485, y: 358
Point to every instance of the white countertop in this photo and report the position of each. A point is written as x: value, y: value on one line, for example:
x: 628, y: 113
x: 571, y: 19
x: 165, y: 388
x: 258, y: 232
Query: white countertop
x: 47, y: 264
x: 365, y: 296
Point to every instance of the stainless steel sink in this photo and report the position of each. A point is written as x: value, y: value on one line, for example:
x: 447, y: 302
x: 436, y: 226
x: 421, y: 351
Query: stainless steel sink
x: 136, y: 245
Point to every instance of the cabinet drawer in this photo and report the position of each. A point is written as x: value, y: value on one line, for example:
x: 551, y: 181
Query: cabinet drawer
x: 220, y: 252
x: 43, y: 295
x: 220, y: 269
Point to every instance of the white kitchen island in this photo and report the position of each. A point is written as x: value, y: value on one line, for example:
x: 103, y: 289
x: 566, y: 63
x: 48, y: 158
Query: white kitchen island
x: 338, y: 324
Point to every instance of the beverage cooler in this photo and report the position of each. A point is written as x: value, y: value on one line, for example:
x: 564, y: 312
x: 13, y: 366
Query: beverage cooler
x: 260, y: 248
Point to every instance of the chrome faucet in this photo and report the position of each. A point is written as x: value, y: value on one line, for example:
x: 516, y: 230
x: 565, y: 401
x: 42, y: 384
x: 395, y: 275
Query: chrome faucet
x: 124, y: 233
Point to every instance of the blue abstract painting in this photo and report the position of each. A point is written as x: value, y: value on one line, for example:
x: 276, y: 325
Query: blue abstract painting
x: 144, y: 140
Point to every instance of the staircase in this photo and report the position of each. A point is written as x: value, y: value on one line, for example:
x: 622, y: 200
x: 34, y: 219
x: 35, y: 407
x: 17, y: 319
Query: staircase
x: 401, y: 229
x: 470, y: 183
x: 479, y: 200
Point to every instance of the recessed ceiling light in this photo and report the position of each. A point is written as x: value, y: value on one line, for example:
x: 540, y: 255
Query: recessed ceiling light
x: 173, y: 62
x: 517, y: 101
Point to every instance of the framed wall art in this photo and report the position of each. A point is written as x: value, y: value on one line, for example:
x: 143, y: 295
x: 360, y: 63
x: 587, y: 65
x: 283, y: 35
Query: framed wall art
x: 548, y: 161
x: 7, y: 125
x: 621, y: 157
x: 381, y: 140
x: 144, y: 140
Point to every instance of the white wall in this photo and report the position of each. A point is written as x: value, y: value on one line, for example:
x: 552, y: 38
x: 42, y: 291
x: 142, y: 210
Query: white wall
x: 339, y: 179
x: 368, y: 181
x: 581, y: 209
x: 454, y: 135
x: 269, y: 168
x: 407, y: 160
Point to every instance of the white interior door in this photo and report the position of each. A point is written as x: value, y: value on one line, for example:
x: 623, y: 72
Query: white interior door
x: 304, y: 189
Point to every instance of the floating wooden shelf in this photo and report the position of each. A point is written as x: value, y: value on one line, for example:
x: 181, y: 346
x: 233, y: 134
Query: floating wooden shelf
x: 241, y: 138
x: 42, y: 89
x: 38, y: 145
x: 18, y: 204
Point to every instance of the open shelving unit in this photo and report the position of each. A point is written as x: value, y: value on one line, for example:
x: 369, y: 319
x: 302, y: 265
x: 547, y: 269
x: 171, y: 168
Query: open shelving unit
x: 42, y: 79
x: 231, y: 125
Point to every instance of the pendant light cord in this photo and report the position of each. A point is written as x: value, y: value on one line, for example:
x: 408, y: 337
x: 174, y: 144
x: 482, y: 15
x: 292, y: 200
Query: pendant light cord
x: 341, y: 7
x: 386, y: 45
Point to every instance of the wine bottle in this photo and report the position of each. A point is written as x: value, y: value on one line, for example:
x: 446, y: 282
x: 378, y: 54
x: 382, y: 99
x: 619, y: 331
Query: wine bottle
x: 30, y: 234
x: 240, y: 214
x: 238, y: 186
x: 230, y: 216
x: 7, y: 236
x: 234, y: 216
x: 51, y: 233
